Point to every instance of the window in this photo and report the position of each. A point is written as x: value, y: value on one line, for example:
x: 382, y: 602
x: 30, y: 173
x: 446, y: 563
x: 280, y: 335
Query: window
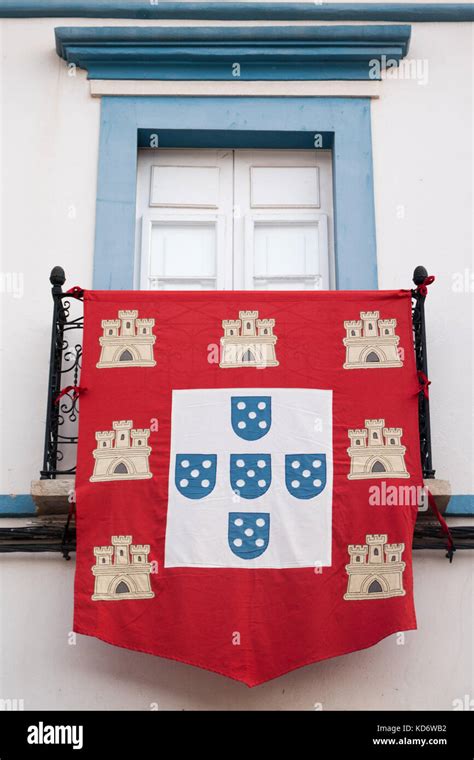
x: 235, y: 219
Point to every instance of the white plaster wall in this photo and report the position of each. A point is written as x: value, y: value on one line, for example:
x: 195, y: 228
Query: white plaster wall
x: 423, y: 172
x: 49, y: 147
x: 422, y: 161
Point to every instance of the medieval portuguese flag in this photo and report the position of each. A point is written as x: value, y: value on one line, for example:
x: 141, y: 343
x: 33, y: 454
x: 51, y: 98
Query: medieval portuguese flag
x: 247, y: 475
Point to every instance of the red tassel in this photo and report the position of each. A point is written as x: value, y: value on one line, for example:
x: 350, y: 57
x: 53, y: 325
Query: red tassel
x: 424, y: 383
x: 75, y: 389
x: 422, y: 288
x: 444, y: 525
x: 75, y: 292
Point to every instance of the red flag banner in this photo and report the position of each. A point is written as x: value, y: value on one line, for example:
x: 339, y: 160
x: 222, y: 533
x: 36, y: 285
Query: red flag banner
x: 248, y: 475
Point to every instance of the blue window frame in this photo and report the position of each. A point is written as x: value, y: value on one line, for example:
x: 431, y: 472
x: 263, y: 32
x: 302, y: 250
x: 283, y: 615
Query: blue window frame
x: 236, y: 122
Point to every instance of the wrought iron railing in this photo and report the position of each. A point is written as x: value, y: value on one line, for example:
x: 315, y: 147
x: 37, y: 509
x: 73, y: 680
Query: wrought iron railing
x: 62, y: 417
x: 65, y: 362
x: 419, y: 341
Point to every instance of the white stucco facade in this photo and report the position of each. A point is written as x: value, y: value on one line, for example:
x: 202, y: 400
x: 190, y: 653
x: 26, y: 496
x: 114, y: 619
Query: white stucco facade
x: 422, y: 154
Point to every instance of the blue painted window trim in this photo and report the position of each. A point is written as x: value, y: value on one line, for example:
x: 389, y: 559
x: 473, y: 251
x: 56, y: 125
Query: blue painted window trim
x: 229, y: 139
x: 291, y: 11
x: 245, y: 122
x: 210, y: 53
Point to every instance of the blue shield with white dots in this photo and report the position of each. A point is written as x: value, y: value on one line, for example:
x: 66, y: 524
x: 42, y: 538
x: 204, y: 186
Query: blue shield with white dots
x: 305, y: 474
x: 250, y: 474
x: 195, y: 474
x: 249, y: 533
x: 251, y: 416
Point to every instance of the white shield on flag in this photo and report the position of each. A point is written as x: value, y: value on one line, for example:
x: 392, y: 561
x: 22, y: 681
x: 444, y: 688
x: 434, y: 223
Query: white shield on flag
x: 220, y: 524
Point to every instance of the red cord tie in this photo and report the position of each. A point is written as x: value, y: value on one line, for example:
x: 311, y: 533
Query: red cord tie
x: 443, y: 524
x: 75, y: 292
x: 76, y: 391
x: 424, y: 384
x: 422, y: 288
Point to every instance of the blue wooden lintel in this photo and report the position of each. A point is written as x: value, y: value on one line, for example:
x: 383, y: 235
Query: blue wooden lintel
x: 223, y: 53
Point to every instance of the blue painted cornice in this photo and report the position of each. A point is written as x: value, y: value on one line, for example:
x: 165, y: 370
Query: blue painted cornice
x: 254, y: 11
x: 223, y: 53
